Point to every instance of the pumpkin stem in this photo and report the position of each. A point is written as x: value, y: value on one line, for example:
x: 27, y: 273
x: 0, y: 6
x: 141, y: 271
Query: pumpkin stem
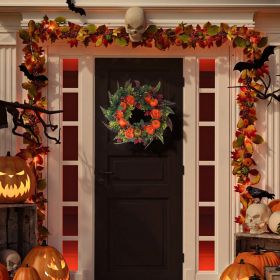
x: 8, y: 154
x: 258, y: 250
x: 241, y: 261
x: 44, y: 243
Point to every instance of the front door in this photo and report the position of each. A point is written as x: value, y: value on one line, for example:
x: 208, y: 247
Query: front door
x: 138, y: 191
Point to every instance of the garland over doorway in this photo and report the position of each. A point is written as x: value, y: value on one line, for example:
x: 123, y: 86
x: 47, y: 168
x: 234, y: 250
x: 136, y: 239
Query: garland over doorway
x: 184, y: 36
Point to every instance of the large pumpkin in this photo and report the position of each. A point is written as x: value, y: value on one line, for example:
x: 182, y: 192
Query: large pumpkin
x: 274, y: 205
x: 259, y: 259
x: 17, y: 181
x: 240, y: 271
x: 4, y: 275
x: 26, y: 273
x: 48, y: 262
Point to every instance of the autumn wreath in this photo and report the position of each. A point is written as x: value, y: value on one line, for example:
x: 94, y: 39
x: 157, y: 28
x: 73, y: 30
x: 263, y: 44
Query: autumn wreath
x: 138, y: 114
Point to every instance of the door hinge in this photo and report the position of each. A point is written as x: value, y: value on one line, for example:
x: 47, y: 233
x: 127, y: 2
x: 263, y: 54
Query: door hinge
x: 183, y: 170
x: 183, y: 258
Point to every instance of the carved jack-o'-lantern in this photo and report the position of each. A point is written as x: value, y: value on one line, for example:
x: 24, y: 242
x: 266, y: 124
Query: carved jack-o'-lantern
x: 48, y: 262
x: 17, y: 181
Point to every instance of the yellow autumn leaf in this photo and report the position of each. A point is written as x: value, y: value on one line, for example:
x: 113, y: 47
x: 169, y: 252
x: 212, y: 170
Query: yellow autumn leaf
x: 249, y: 145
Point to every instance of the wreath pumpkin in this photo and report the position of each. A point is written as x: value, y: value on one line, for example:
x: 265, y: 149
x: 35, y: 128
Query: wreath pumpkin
x: 130, y: 100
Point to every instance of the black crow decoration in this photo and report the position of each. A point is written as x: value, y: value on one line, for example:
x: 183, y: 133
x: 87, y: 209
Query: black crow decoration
x: 258, y: 193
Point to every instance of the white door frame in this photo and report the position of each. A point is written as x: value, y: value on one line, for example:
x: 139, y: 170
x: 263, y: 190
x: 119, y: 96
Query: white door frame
x: 190, y: 57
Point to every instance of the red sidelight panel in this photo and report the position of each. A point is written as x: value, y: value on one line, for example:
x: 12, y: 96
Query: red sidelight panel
x: 206, y: 255
x: 70, y: 106
x: 70, y: 253
x: 70, y: 73
x: 206, y: 143
x: 206, y: 221
x: 70, y: 142
x: 207, y: 183
x: 207, y: 73
x: 70, y: 182
x: 70, y: 221
x: 206, y: 107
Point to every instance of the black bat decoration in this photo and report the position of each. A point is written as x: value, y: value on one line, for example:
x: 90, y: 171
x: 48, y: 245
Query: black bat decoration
x: 257, y: 63
x: 30, y: 76
x: 72, y: 7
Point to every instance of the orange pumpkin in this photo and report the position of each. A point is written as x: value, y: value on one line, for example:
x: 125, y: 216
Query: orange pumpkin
x: 48, y: 262
x: 4, y: 275
x: 259, y: 259
x: 17, y: 181
x: 26, y: 273
x: 274, y: 205
x: 240, y: 271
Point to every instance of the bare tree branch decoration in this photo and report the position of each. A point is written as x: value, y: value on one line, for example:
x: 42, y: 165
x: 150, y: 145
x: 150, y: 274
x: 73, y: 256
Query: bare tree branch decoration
x: 18, y: 111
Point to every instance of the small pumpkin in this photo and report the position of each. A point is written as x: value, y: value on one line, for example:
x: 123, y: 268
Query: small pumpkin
x: 259, y: 259
x: 48, y: 262
x: 274, y: 205
x: 26, y: 273
x: 4, y: 275
x: 240, y: 271
x: 274, y: 222
x: 17, y: 181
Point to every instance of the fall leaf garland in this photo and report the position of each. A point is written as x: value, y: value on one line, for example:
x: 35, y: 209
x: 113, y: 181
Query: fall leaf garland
x: 146, y: 99
x: 184, y: 36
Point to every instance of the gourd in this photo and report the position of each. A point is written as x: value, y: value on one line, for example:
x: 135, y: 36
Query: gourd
x: 26, y: 273
x: 274, y: 222
x: 4, y: 275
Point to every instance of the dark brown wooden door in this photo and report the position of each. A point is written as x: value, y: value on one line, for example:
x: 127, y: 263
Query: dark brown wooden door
x: 138, y: 214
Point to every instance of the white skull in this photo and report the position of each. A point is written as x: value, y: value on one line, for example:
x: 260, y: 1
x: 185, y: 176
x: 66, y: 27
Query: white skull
x: 10, y: 258
x: 135, y: 23
x: 257, y: 216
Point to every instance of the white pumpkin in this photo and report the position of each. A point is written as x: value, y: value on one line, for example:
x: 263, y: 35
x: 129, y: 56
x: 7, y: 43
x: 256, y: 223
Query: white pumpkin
x: 274, y: 222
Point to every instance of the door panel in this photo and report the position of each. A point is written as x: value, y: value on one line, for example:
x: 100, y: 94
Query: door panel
x: 138, y: 191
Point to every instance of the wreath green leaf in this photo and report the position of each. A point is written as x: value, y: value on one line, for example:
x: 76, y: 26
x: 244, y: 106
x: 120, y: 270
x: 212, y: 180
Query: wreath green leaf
x: 146, y: 98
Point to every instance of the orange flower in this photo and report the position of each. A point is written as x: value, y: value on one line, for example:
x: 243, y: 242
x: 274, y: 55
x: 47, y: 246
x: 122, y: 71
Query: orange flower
x: 150, y: 129
x: 129, y: 133
x: 122, y: 122
x: 153, y: 102
x: 247, y: 161
x: 155, y: 124
x: 119, y: 114
x: 250, y: 130
x: 155, y: 114
x: 123, y: 105
x: 130, y: 100
x: 148, y: 98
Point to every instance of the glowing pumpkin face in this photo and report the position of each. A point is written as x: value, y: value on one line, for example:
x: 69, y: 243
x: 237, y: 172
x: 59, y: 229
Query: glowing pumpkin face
x: 48, y: 262
x: 17, y: 181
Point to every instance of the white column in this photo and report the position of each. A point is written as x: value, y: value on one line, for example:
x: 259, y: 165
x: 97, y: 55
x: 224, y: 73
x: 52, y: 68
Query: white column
x: 8, y: 68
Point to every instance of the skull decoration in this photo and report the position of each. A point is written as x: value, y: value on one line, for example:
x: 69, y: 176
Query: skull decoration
x: 135, y: 23
x: 10, y: 258
x: 257, y: 216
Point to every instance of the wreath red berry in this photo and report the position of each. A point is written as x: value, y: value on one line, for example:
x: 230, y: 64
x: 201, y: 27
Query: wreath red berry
x: 147, y: 99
